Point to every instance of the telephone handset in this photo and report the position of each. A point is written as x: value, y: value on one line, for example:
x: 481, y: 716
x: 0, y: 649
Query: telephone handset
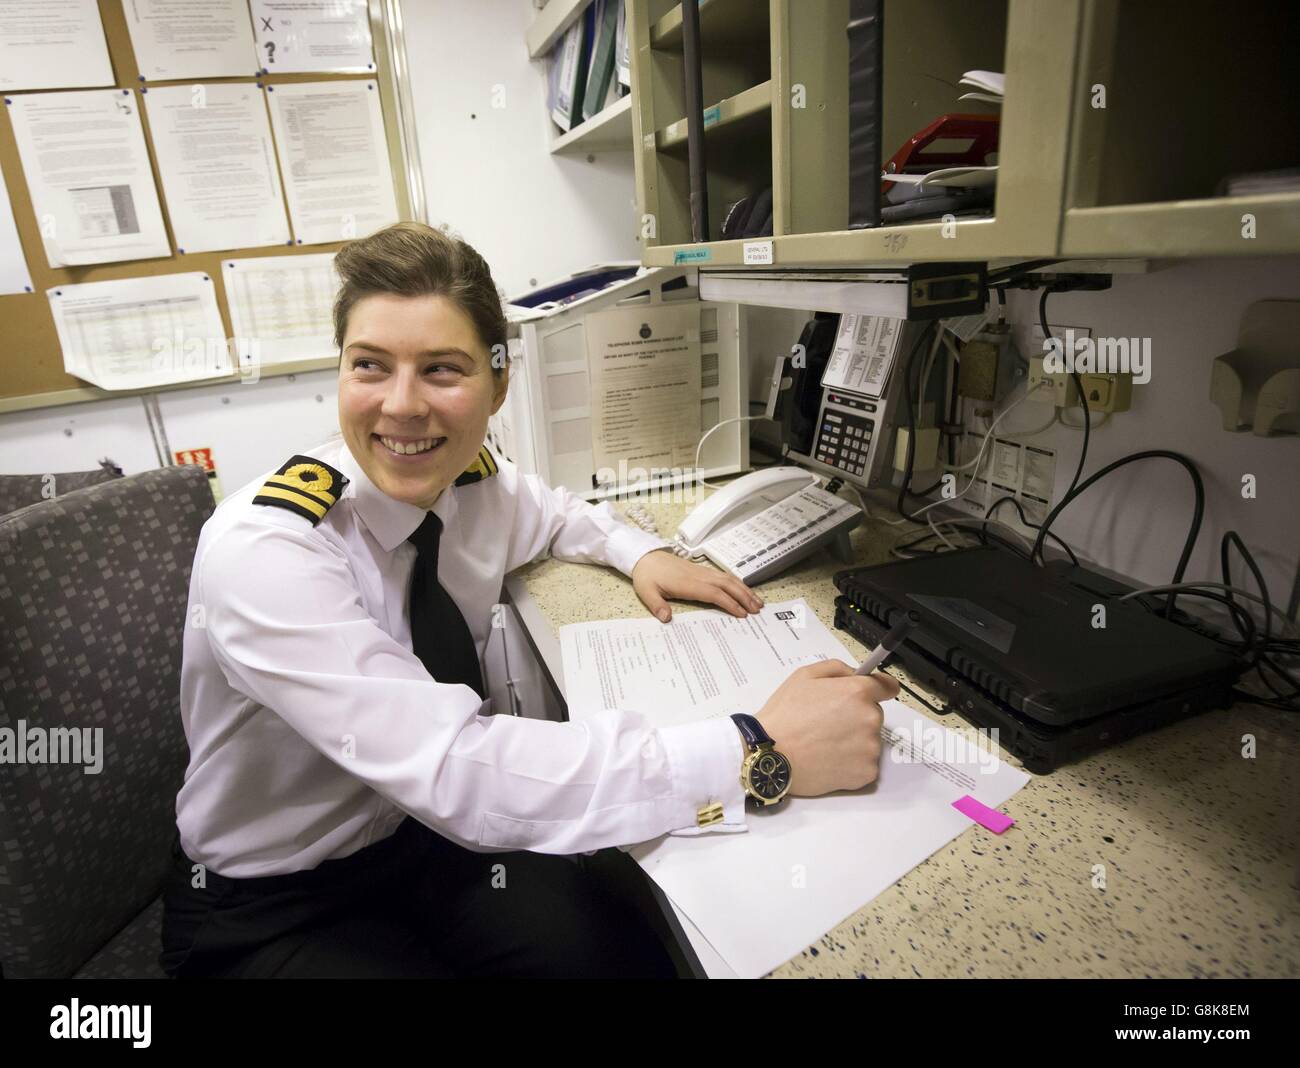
x: 764, y: 522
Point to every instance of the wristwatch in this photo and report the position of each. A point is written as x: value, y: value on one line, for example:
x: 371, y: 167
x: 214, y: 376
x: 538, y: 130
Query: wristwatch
x: 765, y: 775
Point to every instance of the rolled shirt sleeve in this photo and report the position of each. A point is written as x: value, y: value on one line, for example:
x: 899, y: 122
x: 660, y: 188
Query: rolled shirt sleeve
x: 287, y: 627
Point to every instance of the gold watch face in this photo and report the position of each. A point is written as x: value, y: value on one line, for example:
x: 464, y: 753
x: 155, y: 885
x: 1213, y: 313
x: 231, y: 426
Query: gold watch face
x: 767, y: 775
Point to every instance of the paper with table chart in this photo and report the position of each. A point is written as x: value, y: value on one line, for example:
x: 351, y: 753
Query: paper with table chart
x: 281, y: 307
x: 762, y: 897
x: 134, y: 333
x: 175, y: 39
x: 56, y: 44
x: 334, y: 158
x: 217, y: 163
x: 863, y: 354
x: 88, y: 172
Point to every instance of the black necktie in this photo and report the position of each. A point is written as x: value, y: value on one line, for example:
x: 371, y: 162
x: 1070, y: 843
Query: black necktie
x: 440, y: 636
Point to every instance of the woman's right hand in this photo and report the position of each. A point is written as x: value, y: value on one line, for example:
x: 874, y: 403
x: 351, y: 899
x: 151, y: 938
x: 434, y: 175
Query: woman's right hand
x: 826, y: 720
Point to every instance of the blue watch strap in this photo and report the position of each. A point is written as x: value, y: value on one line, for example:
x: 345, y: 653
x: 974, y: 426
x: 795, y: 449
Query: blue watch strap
x: 752, y: 730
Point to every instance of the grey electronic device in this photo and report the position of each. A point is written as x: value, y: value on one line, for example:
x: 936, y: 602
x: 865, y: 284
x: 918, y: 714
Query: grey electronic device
x: 853, y: 438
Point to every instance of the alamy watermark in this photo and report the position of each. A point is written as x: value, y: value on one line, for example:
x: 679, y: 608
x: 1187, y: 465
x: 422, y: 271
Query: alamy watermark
x: 1070, y: 354
x: 927, y: 743
x: 181, y: 356
x: 53, y: 745
x: 654, y: 485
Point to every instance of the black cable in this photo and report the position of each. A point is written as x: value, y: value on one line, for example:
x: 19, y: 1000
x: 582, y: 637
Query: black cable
x: 928, y: 535
x: 905, y: 486
x: 1197, y: 485
x: 1250, y: 644
x: 1272, y: 665
x: 1230, y: 540
x: 1032, y: 526
x: 1241, y: 618
x: 1078, y: 385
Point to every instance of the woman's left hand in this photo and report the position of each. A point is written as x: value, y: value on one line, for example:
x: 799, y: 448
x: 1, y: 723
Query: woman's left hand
x: 659, y: 575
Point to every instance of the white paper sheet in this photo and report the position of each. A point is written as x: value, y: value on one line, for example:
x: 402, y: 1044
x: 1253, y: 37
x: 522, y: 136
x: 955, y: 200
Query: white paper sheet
x: 53, y: 44
x: 761, y: 897
x: 863, y: 356
x: 281, y: 307
x: 334, y: 158
x: 134, y: 333
x: 295, y: 36
x: 217, y: 162
x: 701, y: 664
x: 991, y: 81
x: 175, y: 39
x: 14, y: 275
x: 645, y: 386
x: 88, y: 173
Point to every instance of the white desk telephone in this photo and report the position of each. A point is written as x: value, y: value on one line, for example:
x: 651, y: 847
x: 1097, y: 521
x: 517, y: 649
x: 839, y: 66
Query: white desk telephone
x: 765, y: 522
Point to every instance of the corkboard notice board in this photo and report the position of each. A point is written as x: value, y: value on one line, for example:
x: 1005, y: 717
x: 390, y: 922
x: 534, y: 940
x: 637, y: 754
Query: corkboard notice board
x: 32, y: 361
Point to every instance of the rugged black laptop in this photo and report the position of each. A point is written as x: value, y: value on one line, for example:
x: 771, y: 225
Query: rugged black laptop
x: 1048, y: 655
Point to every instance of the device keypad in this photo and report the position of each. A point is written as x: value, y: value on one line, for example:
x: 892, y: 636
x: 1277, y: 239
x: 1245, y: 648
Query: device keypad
x: 844, y: 441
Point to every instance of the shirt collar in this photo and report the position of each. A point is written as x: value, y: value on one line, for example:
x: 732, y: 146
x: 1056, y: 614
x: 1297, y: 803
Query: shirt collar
x: 390, y: 521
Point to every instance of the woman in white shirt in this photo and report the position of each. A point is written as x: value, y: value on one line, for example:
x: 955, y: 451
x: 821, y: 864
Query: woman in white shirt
x: 348, y: 809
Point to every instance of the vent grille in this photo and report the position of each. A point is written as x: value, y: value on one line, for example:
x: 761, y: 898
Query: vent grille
x: 985, y: 680
x: 708, y: 370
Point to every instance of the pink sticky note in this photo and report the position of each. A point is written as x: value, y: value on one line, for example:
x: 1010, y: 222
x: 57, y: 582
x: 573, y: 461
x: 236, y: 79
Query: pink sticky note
x: 991, y: 818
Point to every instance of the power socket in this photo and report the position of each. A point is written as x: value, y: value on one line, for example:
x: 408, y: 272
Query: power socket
x: 1061, y: 391
x: 1108, y: 392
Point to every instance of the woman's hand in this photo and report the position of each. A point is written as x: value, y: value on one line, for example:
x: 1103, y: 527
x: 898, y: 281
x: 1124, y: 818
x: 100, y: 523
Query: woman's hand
x: 659, y: 575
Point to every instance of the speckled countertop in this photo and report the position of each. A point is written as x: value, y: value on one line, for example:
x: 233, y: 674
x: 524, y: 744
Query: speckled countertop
x: 1199, y: 847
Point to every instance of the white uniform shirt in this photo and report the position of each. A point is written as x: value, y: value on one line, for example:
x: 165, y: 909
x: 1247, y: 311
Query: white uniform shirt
x: 314, y: 729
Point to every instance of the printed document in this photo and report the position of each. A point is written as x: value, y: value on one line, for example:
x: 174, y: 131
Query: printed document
x: 54, y: 44
x: 296, y: 36
x: 645, y: 386
x: 334, y: 158
x: 761, y: 897
x: 281, y: 307
x: 92, y: 188
x: 186, y: 39
x: 134, y: 333
x: 213, y: 145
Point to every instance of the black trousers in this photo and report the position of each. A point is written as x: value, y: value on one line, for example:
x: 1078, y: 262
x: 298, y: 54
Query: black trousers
x: 415, y: 905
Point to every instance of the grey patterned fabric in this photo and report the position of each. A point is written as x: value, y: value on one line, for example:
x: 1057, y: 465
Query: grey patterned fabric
x: 93, y: 588
x: 133, y: 953
x: 18, y: 491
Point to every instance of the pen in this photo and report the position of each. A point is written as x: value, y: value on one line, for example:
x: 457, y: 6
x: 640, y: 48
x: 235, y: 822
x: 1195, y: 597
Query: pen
x: 891, y: 641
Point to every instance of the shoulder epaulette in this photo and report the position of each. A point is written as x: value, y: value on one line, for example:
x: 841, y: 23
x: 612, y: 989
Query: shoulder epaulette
x: 484, y: 466
x: 303, y: 485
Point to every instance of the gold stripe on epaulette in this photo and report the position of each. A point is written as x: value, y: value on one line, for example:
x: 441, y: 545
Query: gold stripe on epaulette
x: 484, y: 466
x: 303, y: 485
x: 324, y: 498
x: 300, y: 499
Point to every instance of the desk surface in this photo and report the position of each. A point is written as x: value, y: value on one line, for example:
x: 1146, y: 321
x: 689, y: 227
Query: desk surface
x: 1199, y: 847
